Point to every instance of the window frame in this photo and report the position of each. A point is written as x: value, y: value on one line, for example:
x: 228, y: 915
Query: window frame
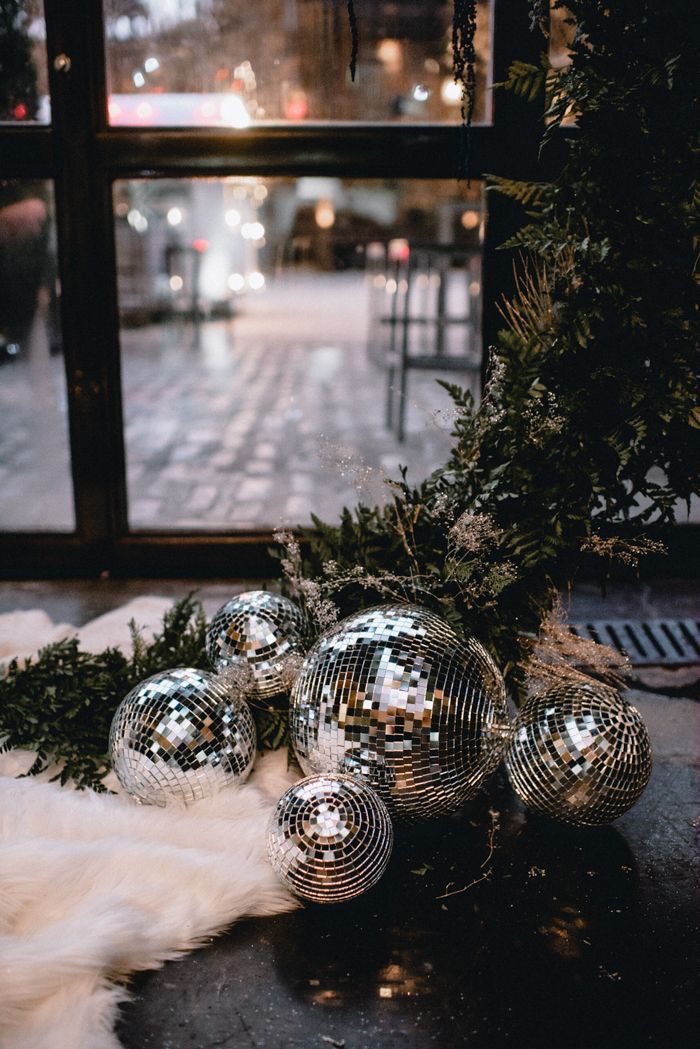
x: 83, y: 156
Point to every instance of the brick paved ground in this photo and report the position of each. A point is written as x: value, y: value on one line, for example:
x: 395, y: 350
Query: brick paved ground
x: 256, y: 421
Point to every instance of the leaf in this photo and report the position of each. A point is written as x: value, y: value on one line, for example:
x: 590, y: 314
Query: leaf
x: 525, y: 193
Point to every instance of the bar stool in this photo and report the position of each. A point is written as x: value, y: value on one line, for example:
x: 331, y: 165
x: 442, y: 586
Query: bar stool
x: 436, y: 289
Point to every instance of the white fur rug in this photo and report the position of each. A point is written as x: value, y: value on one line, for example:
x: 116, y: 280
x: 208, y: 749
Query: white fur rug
x: 93, y: 887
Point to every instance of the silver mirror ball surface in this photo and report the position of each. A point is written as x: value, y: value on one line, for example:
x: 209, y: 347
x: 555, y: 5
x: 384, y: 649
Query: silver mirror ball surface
x: 394, y: 696
x: 257, y: 630
x: 579, y: 753
x: 329, y: 838
x: 180, y: 736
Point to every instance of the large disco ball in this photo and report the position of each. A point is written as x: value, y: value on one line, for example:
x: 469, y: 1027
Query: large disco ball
x: 257, y: 631
x: 181, y: 735
x: 329, y: 838
x: 580, y: 753
x: 393, y: 695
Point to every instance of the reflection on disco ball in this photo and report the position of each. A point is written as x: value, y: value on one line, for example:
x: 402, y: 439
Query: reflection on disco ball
x: 259, y: 632
x: 329, y: 838
x: 181, y: 735
x: 393, y: 695
x: 579, y: 753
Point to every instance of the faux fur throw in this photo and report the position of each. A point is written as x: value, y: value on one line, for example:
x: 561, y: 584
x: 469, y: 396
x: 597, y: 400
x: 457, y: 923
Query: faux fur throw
x: 93, y: 887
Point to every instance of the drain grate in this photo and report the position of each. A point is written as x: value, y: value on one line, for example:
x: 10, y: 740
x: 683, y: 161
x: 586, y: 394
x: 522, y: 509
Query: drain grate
x: 647, y: 642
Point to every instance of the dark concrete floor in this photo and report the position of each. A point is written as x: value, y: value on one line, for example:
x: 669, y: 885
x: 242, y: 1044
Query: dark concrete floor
x: 579, y: 939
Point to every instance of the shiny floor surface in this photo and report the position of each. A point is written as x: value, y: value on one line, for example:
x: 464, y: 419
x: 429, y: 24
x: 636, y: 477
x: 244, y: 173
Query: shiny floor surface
x: 578, y: 939
x: 491, y: 928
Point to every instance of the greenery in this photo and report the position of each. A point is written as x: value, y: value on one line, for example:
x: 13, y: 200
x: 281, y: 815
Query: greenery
x: 60, y: 705
x: 585, y: 438
x: 587, y: 433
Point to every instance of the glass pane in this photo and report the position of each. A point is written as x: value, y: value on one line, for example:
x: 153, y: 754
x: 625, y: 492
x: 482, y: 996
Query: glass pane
x: 231, y: 64
x: 35, y: 479
x: 263, y: 325
x: 24, y: 93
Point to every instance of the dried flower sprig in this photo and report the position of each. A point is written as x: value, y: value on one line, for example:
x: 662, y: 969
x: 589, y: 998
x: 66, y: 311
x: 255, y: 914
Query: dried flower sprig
x: 626, y: 552
x: 560, y: 655
x: 472, y: 534
x: 320, y: 612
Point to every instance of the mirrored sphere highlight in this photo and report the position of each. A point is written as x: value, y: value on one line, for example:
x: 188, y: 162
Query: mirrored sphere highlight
x: 329, y: 838
x: 579, y: 753
x: 181, y: 735
x: 394, y: 696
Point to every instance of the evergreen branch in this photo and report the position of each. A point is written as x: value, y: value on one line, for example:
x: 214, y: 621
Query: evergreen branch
x: 60, y: 704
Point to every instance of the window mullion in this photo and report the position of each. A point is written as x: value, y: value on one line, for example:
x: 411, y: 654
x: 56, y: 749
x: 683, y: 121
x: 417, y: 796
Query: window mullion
x: 86, y: 264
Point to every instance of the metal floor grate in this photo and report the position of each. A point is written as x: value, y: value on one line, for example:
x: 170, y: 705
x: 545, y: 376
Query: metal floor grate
x: 647, y: 642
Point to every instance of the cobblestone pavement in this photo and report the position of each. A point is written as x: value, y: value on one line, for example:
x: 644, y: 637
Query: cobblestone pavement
x: 250, y: 422
x: 245, y: 423
x: 34, y: 458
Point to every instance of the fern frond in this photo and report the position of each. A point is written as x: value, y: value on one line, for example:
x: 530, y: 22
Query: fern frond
x: 525, y: 193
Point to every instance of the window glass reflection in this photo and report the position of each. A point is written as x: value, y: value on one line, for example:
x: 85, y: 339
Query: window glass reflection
x: 223, y: 63
x: 24, y: 95
x: 34, y: 453
x: 265, y: 328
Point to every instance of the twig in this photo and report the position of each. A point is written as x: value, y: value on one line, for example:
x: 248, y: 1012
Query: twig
x: 352, y: 18
x: 490, y: 849
x: 484, y: 877
x: 491, y: 843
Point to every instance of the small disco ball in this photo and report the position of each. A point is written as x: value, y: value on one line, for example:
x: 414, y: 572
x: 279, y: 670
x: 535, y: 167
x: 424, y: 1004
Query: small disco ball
x: 181, y: 735
x: 257, y: 631
x: 393, y: 695
x: 579, y: 753
x: 329, y: 838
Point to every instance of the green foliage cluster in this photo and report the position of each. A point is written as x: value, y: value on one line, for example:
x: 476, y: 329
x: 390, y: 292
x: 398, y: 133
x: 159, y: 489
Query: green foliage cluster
x: 60, y: 705
x: 587, y: 434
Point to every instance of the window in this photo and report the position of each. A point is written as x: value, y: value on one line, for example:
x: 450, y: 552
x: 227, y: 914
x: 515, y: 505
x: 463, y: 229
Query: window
x: 34, y: 454
x: 246, y: 243
x: 259, y: 321
x: 24, y: 97
x: 230, y: 64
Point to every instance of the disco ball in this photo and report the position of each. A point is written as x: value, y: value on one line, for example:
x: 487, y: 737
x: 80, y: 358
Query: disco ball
x: 393, y: 695
x: 579, y: 753
x: 329, y: 838
x: 181, y: 735
x: 258, y: 631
